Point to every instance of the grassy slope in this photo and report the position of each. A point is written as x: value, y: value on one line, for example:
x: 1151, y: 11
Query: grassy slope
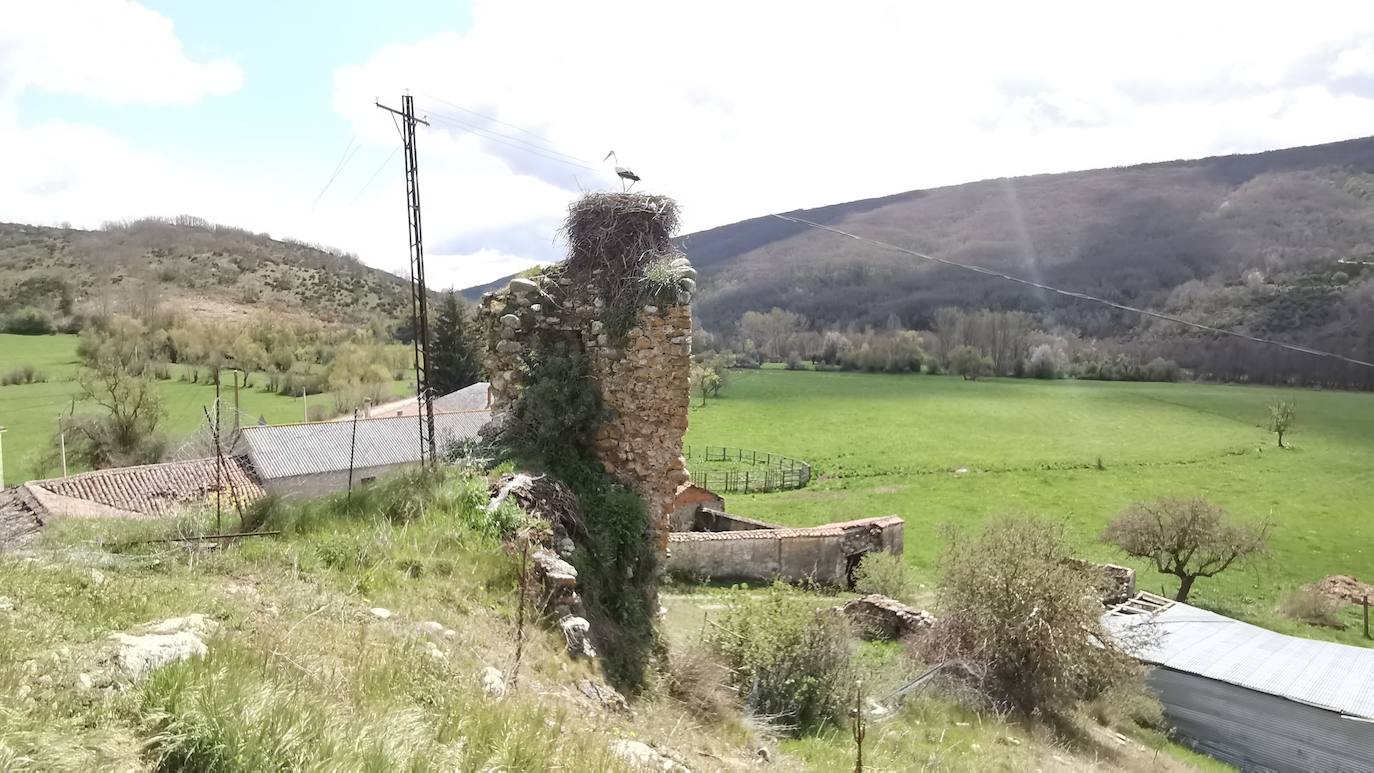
x: 300, y: 674
x: 888, y: 444
x: 30, y: 411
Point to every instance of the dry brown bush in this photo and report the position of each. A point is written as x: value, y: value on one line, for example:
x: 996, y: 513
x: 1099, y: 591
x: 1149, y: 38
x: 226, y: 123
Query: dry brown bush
x: 1312, y: 607
x: 1025, y: 621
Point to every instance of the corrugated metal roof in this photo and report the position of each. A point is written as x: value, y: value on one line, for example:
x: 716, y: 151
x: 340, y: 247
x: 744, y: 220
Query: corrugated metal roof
x: 469, y: 398
x: 286, y: 450
x: 1337, y: 677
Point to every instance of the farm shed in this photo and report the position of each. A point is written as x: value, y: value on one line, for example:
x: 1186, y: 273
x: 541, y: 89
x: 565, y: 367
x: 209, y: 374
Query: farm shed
x: 470, y: 398
x: 1251, y: 697
x: 742, y: 549
x: 314, y: 459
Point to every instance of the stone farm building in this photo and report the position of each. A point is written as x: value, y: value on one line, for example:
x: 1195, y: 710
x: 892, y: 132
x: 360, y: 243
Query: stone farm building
x: 709, y: 544
x: 125, y: 492
x: 286, y: 460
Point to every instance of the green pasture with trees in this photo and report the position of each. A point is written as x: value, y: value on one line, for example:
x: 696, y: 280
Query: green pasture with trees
x: 940, y: 450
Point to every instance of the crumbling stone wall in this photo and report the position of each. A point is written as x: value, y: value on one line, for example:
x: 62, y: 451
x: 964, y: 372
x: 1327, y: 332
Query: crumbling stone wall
x: 642, y: 375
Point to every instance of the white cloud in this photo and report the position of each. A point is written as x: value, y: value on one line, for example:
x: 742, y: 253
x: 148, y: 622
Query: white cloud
x: 112, y: 50
x: 739, y: 109
x: 736, y: 109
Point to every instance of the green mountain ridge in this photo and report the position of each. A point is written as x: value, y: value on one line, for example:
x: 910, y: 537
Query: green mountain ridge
x: 193, y: 266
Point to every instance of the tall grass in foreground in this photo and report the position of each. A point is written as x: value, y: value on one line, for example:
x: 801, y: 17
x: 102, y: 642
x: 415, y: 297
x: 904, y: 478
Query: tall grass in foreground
x: 300, y: 676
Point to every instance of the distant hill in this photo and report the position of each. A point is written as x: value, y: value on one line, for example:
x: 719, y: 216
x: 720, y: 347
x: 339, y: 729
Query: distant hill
x: 188, y: 264
x: 1247, y: 240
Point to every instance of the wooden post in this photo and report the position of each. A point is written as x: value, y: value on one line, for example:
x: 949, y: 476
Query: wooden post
x: 746, y: 481
x: 1365, y: 604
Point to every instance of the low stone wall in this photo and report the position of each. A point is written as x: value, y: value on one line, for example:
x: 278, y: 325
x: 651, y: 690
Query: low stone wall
x: 825, y: 555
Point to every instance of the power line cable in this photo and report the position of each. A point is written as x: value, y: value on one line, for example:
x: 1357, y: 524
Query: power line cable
x: 492, y: 132
x: 380, y: 167
x: 343, y: 161
x: 515, y: 142
x: 1080, y: 296
x: 493, y: 119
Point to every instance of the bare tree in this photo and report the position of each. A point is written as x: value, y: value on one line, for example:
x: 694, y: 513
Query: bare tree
x: 1187, y: 538
x: 1282, y: 415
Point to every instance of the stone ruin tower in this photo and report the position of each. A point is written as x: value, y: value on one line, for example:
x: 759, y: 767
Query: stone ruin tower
x: 622, y: 298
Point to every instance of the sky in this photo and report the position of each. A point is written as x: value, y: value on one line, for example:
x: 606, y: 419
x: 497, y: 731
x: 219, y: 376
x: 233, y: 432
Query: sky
x: 260, y: 113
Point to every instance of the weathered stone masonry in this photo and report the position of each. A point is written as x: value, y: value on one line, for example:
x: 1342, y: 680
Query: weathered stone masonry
x: 642, y: 376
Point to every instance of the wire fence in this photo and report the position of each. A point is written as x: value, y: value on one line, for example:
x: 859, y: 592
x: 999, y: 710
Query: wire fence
x: 752, y: 471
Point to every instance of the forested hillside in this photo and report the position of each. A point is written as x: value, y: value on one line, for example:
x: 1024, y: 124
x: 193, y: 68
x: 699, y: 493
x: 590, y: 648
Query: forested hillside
x: 1271, y: 244
x: 66, y: 275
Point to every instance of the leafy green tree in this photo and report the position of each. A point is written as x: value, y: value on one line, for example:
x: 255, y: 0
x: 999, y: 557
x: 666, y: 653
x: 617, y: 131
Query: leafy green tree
x: 967, y: 362
x: 118, y: 378
x: 1282, y: 414
x: 453, y: 356
x: 703, y: 381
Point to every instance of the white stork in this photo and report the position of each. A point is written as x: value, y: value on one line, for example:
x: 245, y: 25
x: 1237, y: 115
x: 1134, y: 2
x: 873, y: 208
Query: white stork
x: 623, y: 173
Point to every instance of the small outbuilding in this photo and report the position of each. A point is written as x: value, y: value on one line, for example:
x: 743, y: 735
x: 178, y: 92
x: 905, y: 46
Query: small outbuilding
x: 730, y: 547
x: 1251, y: 697
x: 315, y: 459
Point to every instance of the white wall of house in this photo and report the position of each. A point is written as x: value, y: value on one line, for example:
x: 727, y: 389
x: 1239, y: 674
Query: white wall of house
x: 320, y: 483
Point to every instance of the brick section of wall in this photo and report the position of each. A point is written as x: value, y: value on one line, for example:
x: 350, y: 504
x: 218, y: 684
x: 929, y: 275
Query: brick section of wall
x: 642, y: 377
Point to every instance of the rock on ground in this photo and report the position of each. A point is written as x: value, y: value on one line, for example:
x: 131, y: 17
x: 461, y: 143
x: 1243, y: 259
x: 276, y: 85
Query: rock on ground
x: 155, y: 645
x: 493, y: 684
x: 1343, y: 587
x: 577, y: 631
x: 880, y: 617
x: 641, y: 756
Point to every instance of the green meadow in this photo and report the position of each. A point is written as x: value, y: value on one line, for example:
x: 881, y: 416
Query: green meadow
x: 29, y: 412
x: 1074, y: 451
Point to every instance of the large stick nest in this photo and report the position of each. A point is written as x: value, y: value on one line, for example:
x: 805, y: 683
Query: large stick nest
x: 619, y: 234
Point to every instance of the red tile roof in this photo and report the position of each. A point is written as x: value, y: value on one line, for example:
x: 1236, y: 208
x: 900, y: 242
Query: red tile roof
x: 156, y: 489
x: 825, y: 530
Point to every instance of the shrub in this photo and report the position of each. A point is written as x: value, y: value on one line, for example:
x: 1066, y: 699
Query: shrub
x: 967, y: 362
x: 885, y: 574
x: 1160, y: 369
x: 559, y: 410
x: 696, y: 679
x: 28, y: 321
x: 791, y: 663
x: 24, y: 374
x: 1024, y: 619
x: 1309, y: 606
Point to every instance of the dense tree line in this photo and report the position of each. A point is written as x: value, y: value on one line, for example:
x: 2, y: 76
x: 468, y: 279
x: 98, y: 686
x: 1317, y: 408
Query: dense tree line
x: 971, y: 344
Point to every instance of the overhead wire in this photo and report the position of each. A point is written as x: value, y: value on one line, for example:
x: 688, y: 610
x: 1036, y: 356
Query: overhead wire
x: 1077, y: 295
x: 491, y: 118
x: 502, y: 139
x: 378, y: 171
x: 343, y: 161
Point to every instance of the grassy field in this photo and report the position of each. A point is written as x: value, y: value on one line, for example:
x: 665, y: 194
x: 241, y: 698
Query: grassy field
x: 891, y: 444
x: 30, y: 411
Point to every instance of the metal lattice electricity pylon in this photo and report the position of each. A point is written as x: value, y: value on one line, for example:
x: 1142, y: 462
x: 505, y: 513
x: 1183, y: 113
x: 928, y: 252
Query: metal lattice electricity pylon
x: 419, y: 295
